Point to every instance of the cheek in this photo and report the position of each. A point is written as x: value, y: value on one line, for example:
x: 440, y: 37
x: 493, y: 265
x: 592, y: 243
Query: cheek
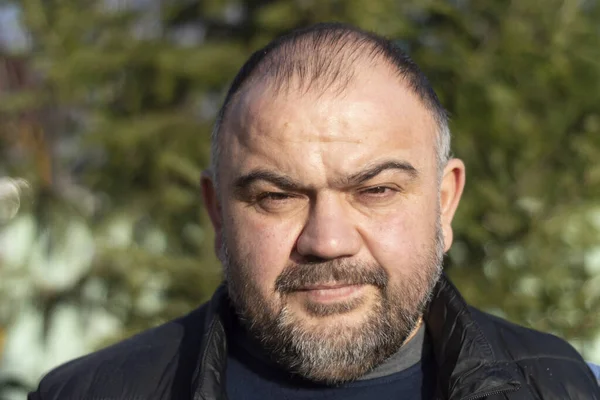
x: 400, y: 240
x: 263, y: 246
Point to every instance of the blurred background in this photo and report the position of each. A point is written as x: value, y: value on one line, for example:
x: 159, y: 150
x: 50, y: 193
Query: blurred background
x: 105, y: 112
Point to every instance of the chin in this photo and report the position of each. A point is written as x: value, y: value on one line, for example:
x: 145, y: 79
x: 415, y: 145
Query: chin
x: 337, y: 315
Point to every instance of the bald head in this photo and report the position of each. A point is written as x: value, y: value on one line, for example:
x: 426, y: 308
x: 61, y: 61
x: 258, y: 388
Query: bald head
x: 325, y: 58
x: 329, y: 175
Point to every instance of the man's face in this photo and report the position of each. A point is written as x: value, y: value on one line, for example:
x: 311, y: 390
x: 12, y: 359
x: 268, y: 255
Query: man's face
x: 330, y: 221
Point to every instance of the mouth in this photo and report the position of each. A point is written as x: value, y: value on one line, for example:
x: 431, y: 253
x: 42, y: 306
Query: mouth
x: 331, y: 292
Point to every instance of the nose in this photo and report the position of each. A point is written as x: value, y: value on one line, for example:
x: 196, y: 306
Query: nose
x: 329, y: 232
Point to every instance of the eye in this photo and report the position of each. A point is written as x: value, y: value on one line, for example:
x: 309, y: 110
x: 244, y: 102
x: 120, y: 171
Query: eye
x: 377, y: 191
x: 274, y: 196
x: 276, y: 201
x: 378, y: 195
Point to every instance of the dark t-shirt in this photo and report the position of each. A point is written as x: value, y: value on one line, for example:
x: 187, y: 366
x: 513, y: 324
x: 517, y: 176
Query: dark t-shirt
x: 244, y: 383
x: 250, y: 377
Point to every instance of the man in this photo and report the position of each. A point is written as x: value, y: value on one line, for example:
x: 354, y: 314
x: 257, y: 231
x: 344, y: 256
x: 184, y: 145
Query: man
x: 332, y: 193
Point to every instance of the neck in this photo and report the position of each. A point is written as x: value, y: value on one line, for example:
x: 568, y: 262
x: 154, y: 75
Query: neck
x: 414, y: 349
x: 414, y: 332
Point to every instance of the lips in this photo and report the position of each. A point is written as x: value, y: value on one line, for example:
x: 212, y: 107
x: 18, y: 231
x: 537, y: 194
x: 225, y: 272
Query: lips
x: 326, y: 286
x: 331, y: 293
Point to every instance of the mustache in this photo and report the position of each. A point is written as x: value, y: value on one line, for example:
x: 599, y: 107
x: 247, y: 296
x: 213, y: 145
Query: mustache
x: 296, y: 277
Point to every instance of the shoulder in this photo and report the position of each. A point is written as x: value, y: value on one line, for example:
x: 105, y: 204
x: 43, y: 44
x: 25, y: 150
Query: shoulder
x: 142, y: 365
x: 549, y: 362
x: 512, y: 341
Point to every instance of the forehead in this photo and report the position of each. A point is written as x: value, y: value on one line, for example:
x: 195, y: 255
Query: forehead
x: 376, y: 115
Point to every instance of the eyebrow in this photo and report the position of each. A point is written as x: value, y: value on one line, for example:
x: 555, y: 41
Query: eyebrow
x: 281, y: 181
x: 286, y: 183
x: 374, y: 170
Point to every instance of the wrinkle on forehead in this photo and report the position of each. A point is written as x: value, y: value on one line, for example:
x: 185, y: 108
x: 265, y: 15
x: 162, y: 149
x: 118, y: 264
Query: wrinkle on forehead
x: 325, y: 120
x: 258, y: 99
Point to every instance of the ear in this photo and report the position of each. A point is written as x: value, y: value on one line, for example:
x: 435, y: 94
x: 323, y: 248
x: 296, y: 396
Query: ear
x: 210, y: 198
x: 452, y: 185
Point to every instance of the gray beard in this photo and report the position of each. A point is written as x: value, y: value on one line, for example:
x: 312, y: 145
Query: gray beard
x: 340, y: 353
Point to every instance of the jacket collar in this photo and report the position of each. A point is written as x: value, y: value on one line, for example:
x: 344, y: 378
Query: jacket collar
x: 208, y: 381
x: 467, y: 367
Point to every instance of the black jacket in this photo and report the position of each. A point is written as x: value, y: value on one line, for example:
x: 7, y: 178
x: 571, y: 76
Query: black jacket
x: 478, y: 356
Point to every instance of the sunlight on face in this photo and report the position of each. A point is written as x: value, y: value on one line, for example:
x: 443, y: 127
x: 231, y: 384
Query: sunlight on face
x: 331, y: 234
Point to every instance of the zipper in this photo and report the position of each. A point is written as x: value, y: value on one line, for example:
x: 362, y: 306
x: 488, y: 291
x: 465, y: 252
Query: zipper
x: 494, y: 393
